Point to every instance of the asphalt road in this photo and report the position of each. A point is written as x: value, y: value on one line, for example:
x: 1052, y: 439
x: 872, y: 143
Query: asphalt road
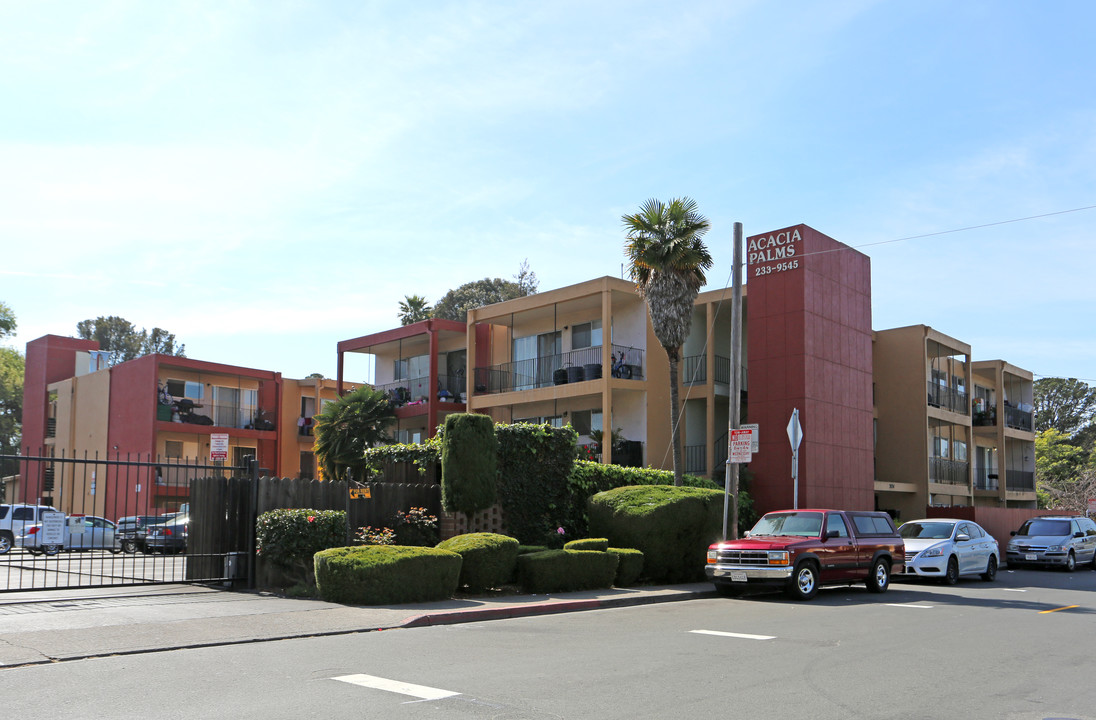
x: 1021, y: 647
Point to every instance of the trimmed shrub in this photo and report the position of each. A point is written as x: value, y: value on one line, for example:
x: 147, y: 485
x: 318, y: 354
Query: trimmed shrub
x: 526, y: 549
x: 599, y: 544
x: 468, y: 463
x: 630, y: 567
x: 289, y: 538
x: 534, y: 462
x: 488, y: 558
x: 589, y: 478
x: 421, y: 455
x: 672, y: 526
x: 386, y: 574
x: 566, y: 570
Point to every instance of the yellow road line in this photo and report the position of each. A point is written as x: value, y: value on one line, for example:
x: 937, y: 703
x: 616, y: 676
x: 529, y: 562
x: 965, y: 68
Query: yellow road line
x: 1067, y: 607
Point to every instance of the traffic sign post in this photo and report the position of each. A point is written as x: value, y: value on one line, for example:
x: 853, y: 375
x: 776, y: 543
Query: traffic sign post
x: 741, y: 445
x: 795, y: 437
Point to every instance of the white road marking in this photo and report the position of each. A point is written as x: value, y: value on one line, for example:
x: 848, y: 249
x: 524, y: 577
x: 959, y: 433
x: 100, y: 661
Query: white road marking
x: 378, y: 683
x: 745, y: 636
x: 910, y: 605
x: 1014, y: 589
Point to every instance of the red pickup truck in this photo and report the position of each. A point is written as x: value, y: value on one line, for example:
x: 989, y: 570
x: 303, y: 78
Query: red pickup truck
x: 802, y: 550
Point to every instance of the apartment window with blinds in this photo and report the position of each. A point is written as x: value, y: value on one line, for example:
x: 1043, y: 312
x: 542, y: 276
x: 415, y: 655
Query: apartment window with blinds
x: 586, y: 335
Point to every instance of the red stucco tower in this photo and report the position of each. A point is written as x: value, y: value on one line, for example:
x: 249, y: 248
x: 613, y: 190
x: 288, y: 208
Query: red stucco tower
x: 809, y: 347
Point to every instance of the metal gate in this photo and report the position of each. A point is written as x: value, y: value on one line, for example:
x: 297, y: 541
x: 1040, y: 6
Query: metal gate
x: 124, y: 521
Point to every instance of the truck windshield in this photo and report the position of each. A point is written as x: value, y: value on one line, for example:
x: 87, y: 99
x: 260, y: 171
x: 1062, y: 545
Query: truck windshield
x: 805, y: 524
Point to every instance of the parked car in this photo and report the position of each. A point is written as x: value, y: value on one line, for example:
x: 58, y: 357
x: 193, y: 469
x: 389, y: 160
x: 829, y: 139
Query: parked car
x: 945, y: 548
x: 15, y: 519
x: 167, y: 536
x: 81, y: 532
x: 1054, y: 540
x: 132, y: 530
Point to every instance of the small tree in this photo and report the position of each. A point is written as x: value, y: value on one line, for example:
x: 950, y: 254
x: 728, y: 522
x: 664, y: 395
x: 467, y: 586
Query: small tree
x: 468, y: 463
x: 347, y: 427
x: 414, y: 308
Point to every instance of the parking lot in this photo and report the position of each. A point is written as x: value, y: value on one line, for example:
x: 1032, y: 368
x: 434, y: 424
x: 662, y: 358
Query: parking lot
x: 20, y: 570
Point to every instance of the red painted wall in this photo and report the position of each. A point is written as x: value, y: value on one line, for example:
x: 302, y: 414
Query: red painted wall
x: 809, y: 347
x: 49, y: 359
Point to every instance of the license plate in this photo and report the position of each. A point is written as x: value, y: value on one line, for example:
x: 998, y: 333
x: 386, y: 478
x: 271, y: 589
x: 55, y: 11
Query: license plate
x: 1031, y: 556
x: 738, y: 576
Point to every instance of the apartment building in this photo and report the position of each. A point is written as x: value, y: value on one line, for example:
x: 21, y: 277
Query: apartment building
x: 158, y: 408
x: 423, y: 369
x: 949, y: 431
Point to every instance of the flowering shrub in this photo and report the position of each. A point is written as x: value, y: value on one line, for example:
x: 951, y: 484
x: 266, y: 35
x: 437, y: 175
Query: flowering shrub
x: 370, y: 535
x: 289, y: 538
x: 416, y: 527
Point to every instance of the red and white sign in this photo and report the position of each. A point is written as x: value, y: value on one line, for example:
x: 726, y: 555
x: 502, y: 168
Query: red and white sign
x: 741, y: 445
x: 218, y: 447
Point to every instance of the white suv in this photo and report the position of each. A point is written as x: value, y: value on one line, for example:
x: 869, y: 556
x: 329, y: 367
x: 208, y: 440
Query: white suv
x: 14, y: 519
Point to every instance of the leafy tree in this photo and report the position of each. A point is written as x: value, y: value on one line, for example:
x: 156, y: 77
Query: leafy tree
x: 12, y: 367
x: 469, y: 461
x: 1056, y: 458
x: 124, y: 342
x: 346, y: 427
x: 413, y: 309
x: 667, y: 260
x: 1070, y: 495
x: 1063, y: 404
x: 7, y: 320
x: 455, y: 304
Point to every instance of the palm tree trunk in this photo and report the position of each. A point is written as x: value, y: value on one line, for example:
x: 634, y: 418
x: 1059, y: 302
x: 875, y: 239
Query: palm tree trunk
x: 675, y: 416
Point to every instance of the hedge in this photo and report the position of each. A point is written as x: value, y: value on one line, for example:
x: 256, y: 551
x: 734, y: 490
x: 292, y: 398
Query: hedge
x: 386, y: 574
x: 566, y: 570
x: 468, y: 463
x: 488, y: 558
x: 534, y: 463
x: 288, y: 538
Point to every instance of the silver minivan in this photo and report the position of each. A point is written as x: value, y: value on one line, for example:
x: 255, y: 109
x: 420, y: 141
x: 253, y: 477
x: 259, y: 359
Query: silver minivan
x: 1057, y: 540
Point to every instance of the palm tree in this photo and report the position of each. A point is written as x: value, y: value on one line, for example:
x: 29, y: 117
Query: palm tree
x: 667, y: 263
x: 414, y: 308
x: 346, y: 427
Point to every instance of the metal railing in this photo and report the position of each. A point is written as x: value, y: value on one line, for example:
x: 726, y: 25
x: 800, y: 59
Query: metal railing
x: 559, y: 369
x: 985, y: 479
x: 948, y: 398
x: 1018, y: 419
x: 418, y: 390
x: 1020, y: 480
x: 696, y: 459
x: 694, y: 369
x: 949, y: 472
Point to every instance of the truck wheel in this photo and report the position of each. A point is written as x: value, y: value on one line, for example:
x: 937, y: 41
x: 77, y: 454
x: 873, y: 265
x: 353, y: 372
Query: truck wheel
x: 991, y: 569
x: 879, y: 579
x: 952, y: 575
x: 6, y: 541
x: 804, y: 582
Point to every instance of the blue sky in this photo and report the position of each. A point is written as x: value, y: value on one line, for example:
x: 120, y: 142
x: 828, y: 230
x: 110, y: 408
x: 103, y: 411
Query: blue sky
x: 267, y: 178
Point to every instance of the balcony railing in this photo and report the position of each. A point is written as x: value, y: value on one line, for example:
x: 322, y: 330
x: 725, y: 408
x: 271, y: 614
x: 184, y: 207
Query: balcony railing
x: 984, y: 418
x: 985, y: 479
x: 948, y: 398
x: 696, y: 459
x: 694, y: 369
x: 559, y: 369
x: 1020, y: 480
x: 949, y: 472
x: 1018, y: 419
x: 418, y: 390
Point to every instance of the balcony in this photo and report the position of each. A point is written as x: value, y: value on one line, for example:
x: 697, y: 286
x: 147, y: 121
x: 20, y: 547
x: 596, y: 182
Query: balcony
x: 1020, y: 480
x: 986, y: 479
x: 694, y: 370
x: 410, y: 391
x: 948, y: 472
x: 696, y: 459
x: 948, y: 398
x: 559, y: 369
x: 1019, y: 419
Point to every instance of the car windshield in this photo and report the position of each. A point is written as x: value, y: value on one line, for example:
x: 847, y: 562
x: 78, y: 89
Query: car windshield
x: 805, y: 524
x: 1056, y: 528
x: 926, y: 530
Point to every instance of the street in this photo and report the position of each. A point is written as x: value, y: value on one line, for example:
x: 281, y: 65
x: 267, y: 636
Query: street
x: 1017, y: 648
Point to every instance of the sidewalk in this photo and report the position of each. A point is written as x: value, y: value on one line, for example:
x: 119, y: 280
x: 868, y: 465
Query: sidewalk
x: 59, y: 625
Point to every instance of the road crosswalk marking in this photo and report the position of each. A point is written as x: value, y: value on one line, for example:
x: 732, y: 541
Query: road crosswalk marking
x: 379, y: 683
x: 745, y: 636
x: 911, y: 605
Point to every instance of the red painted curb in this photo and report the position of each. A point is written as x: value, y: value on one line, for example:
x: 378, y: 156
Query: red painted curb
x: 512, y: 611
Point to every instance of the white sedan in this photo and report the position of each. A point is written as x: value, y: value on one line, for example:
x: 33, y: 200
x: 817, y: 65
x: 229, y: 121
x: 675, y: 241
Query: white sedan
x: 81, y: 532
x: 945, y: 548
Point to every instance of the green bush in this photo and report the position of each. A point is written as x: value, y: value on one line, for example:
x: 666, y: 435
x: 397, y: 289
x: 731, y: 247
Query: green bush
x: 289, y: 538
x: 415, y: 527
x: 489, y: 558
x: 421, y: 455
x: 386, y: 574
x: 566, y: 570
x: 672, y: 526
x: 534, y: 462
x: 468, y: 463
x: 630, y: 567
x: 600, y: 544
x: 589, y: 478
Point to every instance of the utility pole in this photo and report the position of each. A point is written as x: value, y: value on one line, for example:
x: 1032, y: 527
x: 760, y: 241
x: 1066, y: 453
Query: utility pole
x: 730, y: 485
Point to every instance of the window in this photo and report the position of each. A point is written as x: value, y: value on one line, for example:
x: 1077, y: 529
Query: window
x: 960, y: 449
x: 585, y: 421
x: 308, y: 466
x: 413, y: 367
x: 939, y: 446
x: 226, y: 404
x: 186, y: 389
x: 555, y: 421
x: 586, y: 335
x: 240, y: 455
x: 872, y: 525
x: 836, y: 523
